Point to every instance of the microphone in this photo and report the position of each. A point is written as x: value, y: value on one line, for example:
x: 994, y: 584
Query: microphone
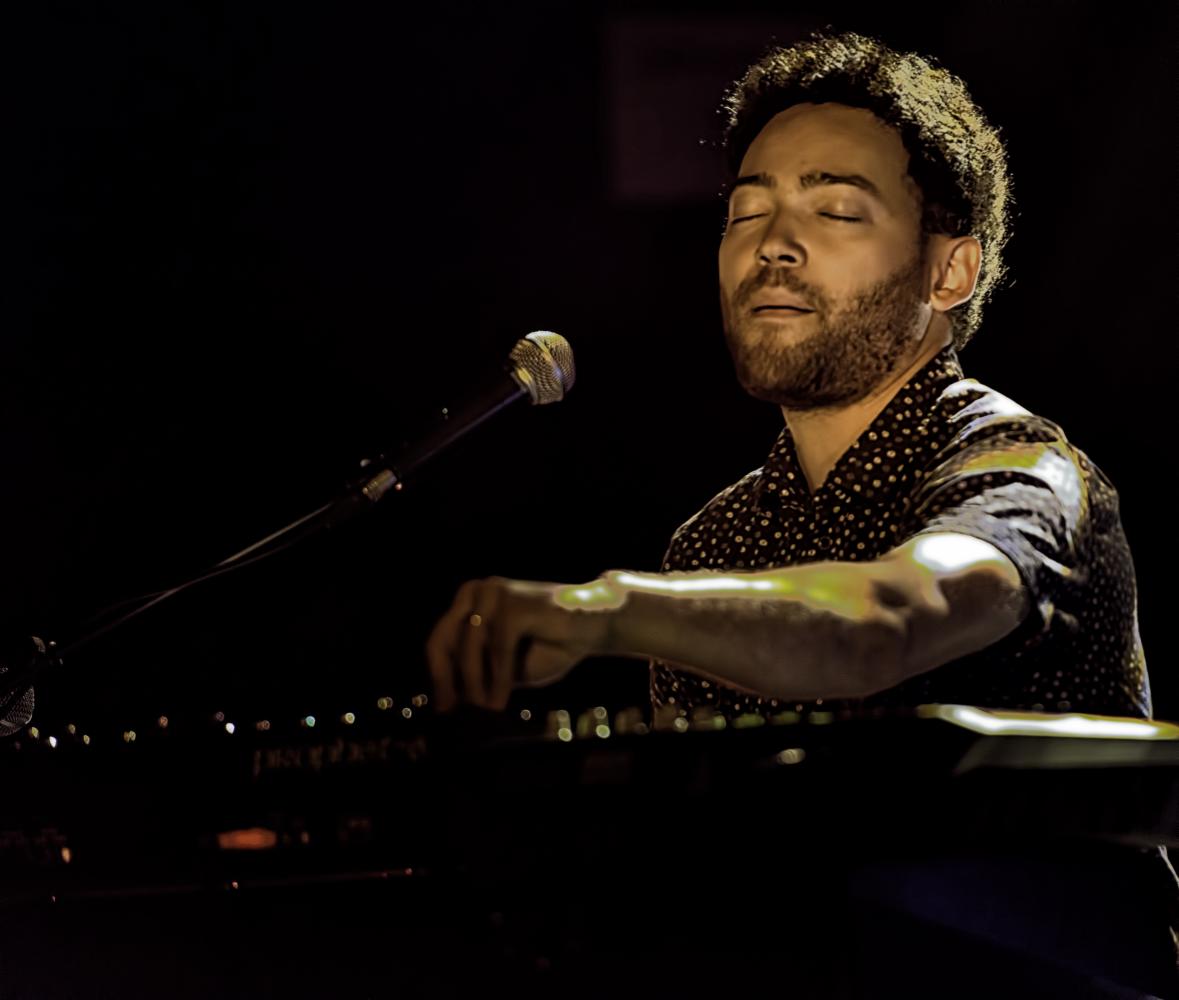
x: 18, y: 665
x: 539, y: 368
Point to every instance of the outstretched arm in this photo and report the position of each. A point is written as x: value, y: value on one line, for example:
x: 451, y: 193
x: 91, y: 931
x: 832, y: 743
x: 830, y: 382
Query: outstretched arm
x: 828, y: 629
x: 823, y: 630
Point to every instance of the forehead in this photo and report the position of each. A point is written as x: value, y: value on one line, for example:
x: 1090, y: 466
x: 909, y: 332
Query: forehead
x: 831, y: 138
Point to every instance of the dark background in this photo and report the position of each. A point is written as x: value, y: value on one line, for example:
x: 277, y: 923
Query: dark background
x: 251, y: 244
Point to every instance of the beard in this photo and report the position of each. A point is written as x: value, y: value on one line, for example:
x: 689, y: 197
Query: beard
x: 844, y: 354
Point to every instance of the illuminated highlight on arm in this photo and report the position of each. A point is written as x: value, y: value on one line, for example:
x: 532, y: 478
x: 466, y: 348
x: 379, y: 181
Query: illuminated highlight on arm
x: 609, y: 592
x: 752, y: 584
x: 598, y: 595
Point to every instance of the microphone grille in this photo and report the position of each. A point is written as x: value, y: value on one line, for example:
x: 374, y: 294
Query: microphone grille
x: 543, y: 363
x: 18, y: 712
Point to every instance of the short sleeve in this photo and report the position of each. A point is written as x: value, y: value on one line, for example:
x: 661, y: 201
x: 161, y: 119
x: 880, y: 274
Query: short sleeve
x: 1014, y: 480
x: 1017, y: 483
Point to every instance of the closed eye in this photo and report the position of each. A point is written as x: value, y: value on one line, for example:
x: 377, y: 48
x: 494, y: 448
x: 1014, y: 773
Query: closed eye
x: 826, y: 215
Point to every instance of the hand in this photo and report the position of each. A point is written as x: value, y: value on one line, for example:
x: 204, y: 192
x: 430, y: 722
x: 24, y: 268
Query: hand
x: 501, y: 633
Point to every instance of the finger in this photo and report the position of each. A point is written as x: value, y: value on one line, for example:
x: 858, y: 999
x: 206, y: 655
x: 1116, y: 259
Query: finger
x: 440, y: 657
x: 472, y: 643
x: 506, y: 640
x: 442, y: 646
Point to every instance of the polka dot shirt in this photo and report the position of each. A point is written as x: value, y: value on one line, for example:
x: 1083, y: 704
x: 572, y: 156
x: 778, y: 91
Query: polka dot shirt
x: 946, y: 454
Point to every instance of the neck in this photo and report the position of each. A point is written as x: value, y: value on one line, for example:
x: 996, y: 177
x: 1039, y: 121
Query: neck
x: 822, y: 436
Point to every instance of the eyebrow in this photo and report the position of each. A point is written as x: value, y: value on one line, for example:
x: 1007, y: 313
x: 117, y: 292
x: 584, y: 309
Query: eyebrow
x: 813, y: 179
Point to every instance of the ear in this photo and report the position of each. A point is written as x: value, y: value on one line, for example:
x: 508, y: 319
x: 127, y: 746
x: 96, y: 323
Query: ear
x: 954, y: 264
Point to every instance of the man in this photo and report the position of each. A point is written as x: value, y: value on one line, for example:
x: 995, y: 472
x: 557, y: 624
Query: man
x: 914, y: 536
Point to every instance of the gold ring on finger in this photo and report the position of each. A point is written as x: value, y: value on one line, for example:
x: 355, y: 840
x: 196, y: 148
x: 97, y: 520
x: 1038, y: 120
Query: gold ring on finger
x: 476, y: 620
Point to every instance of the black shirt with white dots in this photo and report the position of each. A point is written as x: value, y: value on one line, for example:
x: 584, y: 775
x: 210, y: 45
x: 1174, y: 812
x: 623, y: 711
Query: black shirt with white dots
x: 946, y: 454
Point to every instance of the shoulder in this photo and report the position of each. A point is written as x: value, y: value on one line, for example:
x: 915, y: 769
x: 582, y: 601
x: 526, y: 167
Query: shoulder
x: 988, y: 437
x: 971, y: 412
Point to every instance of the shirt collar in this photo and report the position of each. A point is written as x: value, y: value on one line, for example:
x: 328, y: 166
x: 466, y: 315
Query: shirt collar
x: 781, y: 480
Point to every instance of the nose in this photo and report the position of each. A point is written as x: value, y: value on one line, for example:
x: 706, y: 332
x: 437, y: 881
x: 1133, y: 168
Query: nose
x: 779, y: 245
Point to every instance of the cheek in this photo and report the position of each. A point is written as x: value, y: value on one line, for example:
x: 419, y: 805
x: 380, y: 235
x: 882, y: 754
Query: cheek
x: 727, y: 271
x: 848, y: 275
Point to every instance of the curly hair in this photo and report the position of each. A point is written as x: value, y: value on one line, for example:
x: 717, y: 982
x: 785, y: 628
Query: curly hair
x: 956, y: 157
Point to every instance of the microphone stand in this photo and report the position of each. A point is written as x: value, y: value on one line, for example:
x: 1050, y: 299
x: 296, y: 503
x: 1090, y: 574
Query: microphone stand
x: 19, y: 670
x: 530, y: 365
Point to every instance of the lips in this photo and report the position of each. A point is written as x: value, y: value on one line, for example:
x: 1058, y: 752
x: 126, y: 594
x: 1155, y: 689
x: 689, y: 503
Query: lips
x: 784, y: 303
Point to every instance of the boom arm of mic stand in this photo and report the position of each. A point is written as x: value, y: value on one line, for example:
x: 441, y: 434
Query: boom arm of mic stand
x: 391, y: 475
x: 361, y: 495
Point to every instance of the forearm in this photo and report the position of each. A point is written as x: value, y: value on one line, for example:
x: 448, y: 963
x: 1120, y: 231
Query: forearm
x: 790, y: 632
x: 821, y: 630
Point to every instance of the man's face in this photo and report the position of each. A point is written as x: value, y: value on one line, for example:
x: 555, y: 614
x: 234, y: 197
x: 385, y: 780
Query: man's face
x: 831, y: 225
